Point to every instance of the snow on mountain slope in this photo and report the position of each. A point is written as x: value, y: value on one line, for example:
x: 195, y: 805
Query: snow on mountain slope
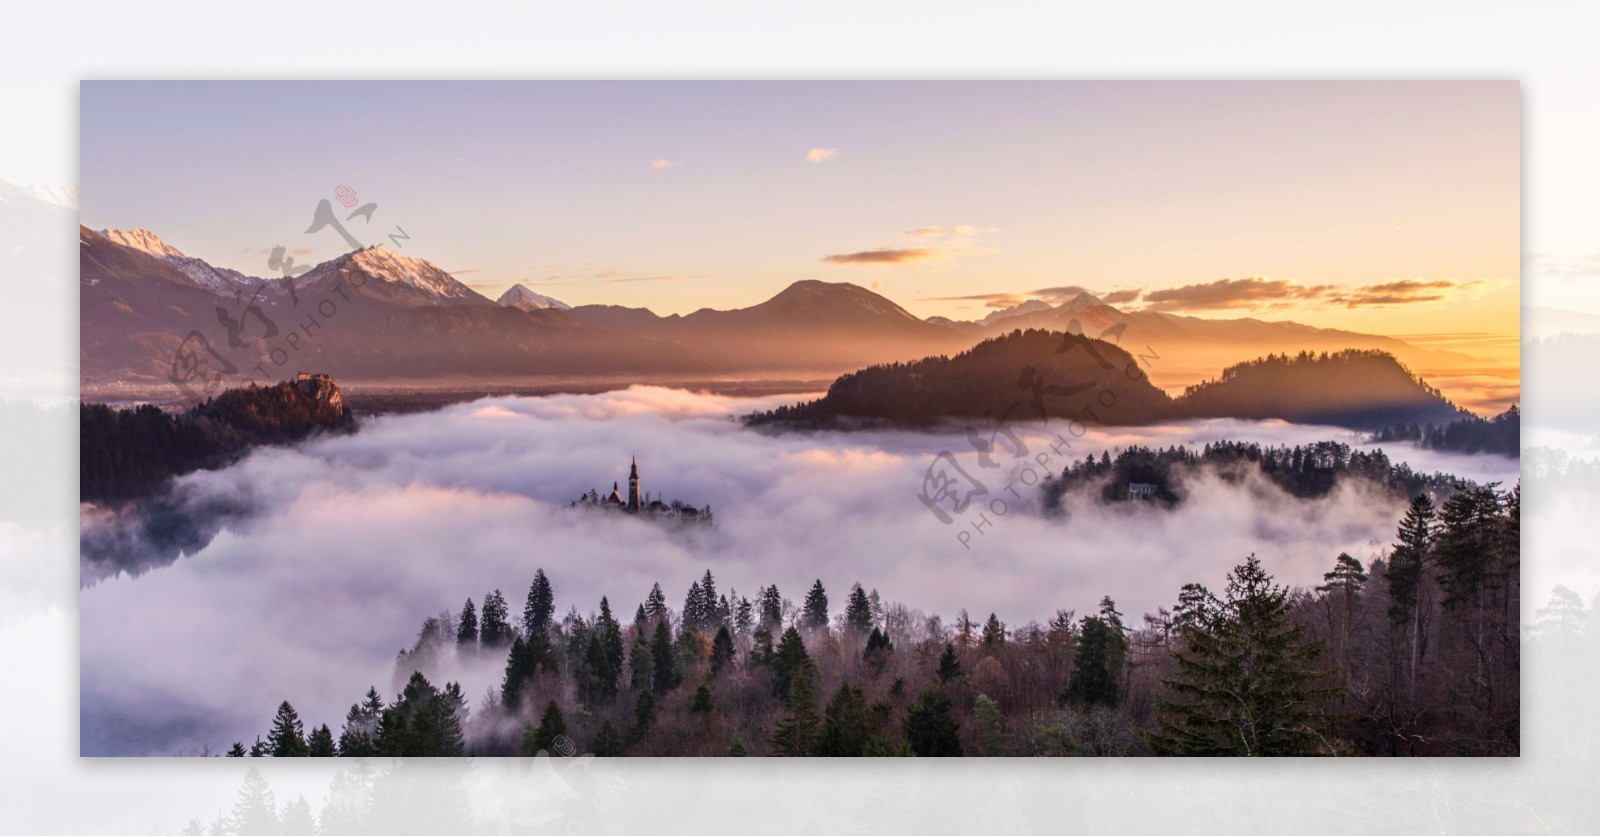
x: 220, y: 280
x: 518, y: 296
x: 424, y: 276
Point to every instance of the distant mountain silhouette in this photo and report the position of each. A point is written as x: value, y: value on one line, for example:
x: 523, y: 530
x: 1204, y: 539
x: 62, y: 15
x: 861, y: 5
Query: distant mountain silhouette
x: 810, y: 325
x: 1364, y: 389
x: 375, y: 314
x: 1023, y: 375
x: 1216, y: 341
x: 1034, y: 373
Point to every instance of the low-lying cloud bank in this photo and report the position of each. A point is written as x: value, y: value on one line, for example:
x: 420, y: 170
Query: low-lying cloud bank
x: 344, y: 545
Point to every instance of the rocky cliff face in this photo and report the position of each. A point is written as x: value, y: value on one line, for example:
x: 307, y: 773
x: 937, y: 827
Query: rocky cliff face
x: 322, y: 392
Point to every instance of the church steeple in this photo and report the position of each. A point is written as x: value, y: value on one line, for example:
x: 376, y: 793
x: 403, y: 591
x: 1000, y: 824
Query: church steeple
x: 633, y: 486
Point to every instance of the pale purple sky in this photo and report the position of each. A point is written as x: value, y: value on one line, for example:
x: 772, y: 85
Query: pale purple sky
x: 683, y: 195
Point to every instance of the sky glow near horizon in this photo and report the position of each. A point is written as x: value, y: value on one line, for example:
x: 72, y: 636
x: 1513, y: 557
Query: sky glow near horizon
x: 1382, y: 207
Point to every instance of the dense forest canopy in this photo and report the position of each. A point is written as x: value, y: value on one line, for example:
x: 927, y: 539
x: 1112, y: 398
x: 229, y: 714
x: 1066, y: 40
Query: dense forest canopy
x: 1468, y: 434
x: 1363, y: 388
x: 1037, y: 374
x: 1303, y: 471
x: 130, y: 453
x: 1415, y: 653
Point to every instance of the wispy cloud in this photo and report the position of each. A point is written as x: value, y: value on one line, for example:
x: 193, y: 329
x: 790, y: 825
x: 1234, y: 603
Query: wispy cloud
x: 821, y: 155
x: 1122, y: 297
x: 920, y: 244
x: 1251, y: 292
x: 663, y: 163
x: 885, y: 256
x: 1400, y: 292
x: 1261, y: 292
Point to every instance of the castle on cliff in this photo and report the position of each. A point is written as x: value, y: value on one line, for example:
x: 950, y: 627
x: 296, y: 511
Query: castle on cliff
x: 640, y: 503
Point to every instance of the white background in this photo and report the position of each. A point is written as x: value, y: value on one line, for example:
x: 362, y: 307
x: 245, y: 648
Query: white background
x: 1549, y: 47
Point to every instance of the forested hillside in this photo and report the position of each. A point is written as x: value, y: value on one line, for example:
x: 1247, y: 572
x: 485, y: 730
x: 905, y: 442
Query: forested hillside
x: 1468, y: 434
x: 1037, y: 374
x: 1416, y: 653
x: 1303, y: 470
x: 1361, y: 388
x: 1030, y: 374
x: 130, y: 453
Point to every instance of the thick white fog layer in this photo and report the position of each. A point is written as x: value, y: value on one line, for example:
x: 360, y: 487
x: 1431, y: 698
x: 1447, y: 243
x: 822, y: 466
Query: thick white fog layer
x: 348, y: 543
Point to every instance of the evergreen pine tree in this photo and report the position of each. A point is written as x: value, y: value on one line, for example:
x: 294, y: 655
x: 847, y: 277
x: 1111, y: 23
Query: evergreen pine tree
x: 878, y: 652
x: 540, y: 607
x: 467, y: 627
x: 655, y: 604
x: 790, y: 657
x: 287, y: 738
x: 355, y: 740
x: 994, y: 633
x: 1195, y: 606
x: 771, y: 608
x: 1245, y: 683
x: 552, y: 725
x: 1467, y: 544
x: 1093, y: 682
x: 320, y: 743
x: 721, y: 649
x: 236, y: 751
x: 1343, y: 584
x: 609, y: 635
x: 702, y: 703
x: 711, y: 615
x: 743, y: 616
x: 493, y: 630
x: 665, y: 676
x: 796, y: 732
x: 991, y: 726
x: 593, y: 673
x: 641, y: 670
x: 858, y: 611
x: 949, y: 665
x: 815, y: 613
x: 608, y: 742
x: 518, y: 670
x: 1407, y: 558
x: 644, y: 712
x: 736, y: 746
x: 1117, y: 650
x: 694, y: 609
x: 931, y: 727
x: 845, y: 723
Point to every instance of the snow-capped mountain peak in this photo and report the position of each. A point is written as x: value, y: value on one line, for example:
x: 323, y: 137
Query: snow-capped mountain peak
x: 220, y: 280
x: 144, y: 240
x: 384, y: 264
x: 518, y: 296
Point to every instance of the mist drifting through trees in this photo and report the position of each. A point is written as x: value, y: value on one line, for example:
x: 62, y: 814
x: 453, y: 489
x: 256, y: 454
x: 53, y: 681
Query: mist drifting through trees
x: 414, y: 514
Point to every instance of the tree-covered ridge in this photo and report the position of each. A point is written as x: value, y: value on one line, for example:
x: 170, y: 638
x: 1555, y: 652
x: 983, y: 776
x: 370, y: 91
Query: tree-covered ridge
x: 1038, y: 374
x: 1468, y: 434
x: 1025, y: 374
x: 130, y: 453
x: 1364, y: 388
x: 1304, y: 471
x: 1414, y: 653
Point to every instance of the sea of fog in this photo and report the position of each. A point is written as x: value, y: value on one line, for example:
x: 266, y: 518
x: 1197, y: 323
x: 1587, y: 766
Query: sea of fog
x: 334, y: 551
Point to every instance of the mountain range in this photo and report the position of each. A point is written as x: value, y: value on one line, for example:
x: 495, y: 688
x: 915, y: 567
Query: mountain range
x: 375, y: 314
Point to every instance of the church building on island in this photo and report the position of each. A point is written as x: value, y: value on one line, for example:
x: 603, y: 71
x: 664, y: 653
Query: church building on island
x: 640, y: 503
